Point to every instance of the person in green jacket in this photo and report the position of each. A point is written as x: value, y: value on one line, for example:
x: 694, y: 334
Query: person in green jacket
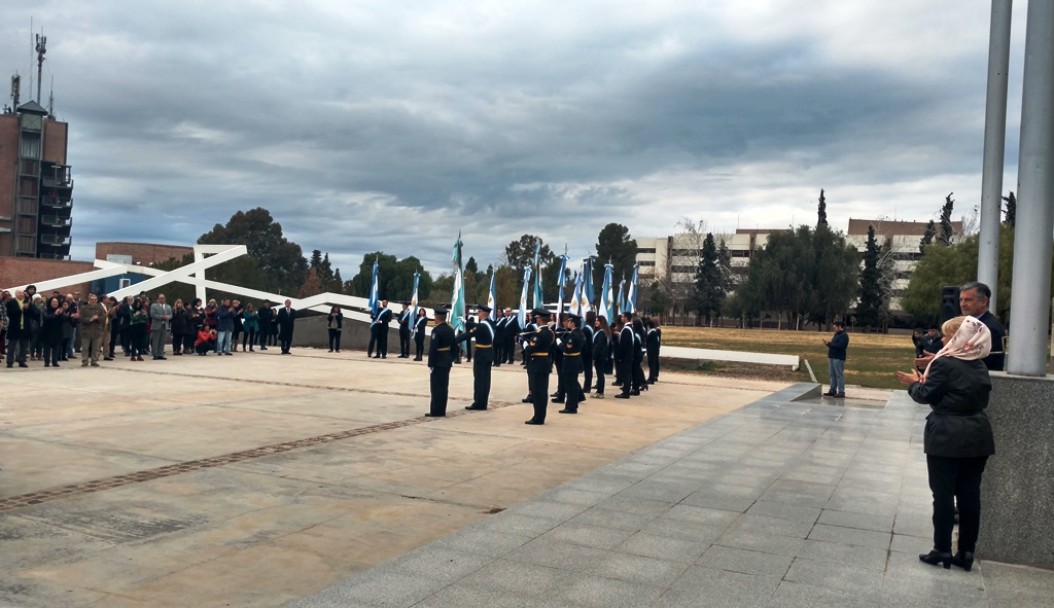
x: 250, y: 326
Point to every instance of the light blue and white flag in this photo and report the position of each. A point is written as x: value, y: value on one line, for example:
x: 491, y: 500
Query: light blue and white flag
x: 522, y: 316
x: 492, y: 299
x: 561, y: 278
x: 538, y: 298
x: 587, y: 285
x: 375, y: 288
x: 576, y: 297
x: 413, y: 305
x: 621, y: 296
x: 457, y: 299
x: 631, y: 295
x: 607, y: 294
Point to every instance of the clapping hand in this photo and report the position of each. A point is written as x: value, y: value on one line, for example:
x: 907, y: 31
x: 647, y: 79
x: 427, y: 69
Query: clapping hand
x: 909, y: 378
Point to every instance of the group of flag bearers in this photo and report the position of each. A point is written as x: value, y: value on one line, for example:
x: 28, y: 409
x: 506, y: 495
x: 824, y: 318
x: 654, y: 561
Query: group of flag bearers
x: 572, y: 345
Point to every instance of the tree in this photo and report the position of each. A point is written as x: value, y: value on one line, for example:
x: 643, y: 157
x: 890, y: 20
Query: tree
x: 395, y: 280
x: 312, y: 284
x: 944, y: 237
x: 274, y: 264
x: 870, y: 310
x: 1010, y: 213
x: 821, y: 211
x: 709, y: 283
x: 615, y: 245
x: 927, y: 237
x: 520, y: 253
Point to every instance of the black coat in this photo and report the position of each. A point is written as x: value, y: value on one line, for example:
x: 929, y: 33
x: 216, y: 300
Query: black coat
x: 600, y: 346
x: 285, y: 323
x: 20, y: 319
x: 439, y: 349
x: 958, y: 426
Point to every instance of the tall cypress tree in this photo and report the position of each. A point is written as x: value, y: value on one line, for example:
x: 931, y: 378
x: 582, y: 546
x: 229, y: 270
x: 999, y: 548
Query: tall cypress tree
x: 709, y: 282
x: 869, y: 310
x: 946, y: 233
x: 821, y: 211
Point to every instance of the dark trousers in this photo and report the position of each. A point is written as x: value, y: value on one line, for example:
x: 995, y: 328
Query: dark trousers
x: 334, y: 339
x: 956, y: 480
x: 439, y: 385
x: 404, y: 343
x: 538, y: 382
x: 572, y: 390
x: 382, y: 340
x: 481, y: 377
x: 599, y: 367
x: 52, y: 354
x: 587, y: 374
x: 653, y: 364
x: 419, y: 343
x: 499, y: 352
x: 638, y: 375
x: 138, y: 339
x: 16, y: 350
x: 126, y: 339
x: 625, y: 374
x: 375, y: 336
x: 249, y: 338
x: 285, y: 343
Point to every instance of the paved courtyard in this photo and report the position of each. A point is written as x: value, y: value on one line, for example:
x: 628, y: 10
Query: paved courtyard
x: 255, y: 480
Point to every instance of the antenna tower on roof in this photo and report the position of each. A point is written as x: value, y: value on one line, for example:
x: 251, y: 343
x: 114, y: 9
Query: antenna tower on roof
x: 42, y: 49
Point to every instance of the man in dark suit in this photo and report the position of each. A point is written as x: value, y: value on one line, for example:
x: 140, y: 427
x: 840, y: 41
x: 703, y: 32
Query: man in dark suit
x: 624, y: 355
x: 570, y: 345
x: 405, y: 324
x: 384, y: 319
x: 440, y: 360
x: 973, y: 301
x: 19, y: 317
x: 286, y: 317
x: 512, y: 329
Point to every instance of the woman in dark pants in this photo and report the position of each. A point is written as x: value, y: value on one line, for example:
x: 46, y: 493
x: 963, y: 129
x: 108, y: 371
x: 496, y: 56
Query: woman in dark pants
x: 958, y: 437
x: 335, y: 321
x: 600, y: 352
x: 652, y: 344
x: 420, y: 328
x: 51, y: 332
x: 138, y: 332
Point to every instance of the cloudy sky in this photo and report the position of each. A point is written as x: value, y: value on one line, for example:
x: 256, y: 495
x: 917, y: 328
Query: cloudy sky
x: 367, y: 126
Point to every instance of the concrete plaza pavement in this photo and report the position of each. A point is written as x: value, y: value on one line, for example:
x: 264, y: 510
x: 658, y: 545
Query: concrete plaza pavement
x: 258, y: 479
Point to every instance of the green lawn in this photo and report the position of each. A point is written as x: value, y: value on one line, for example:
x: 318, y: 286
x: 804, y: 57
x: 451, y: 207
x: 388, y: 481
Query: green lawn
x: 871, y: 361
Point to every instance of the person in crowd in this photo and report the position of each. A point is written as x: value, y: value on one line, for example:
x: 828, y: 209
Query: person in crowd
x: 380, y: 327
x: 160, y: 317
x: 974, y: 299
x: 266, y: 315
x: 124, y: 325
x: 652, y: 345
x: 483, y: 333
x: 836, y: 353
x: 639, y: 381
x: 68, y: 330
x: 138, y: 327
x: 601, y: 340
x: 958, y: 436
x: 5, y: 295
x: 440, y: 360
x: 236, y: 323
x: 539, y: 364
x: 19, y: 311
x: 180, y: 326
x: 512, y: 330
x: 405, y: 329
x: 587, y: 326
x: 51, y: 331
x: 205, y: 340
x: 931, y: 342
x: 499, y: 323
x: 224, y: 327
x: 335, y: 325
x: 420, y: 327
x: 113, y: 332
x: 250, y: 326
x: 272, y: 335
x: 195, y: 320
x: 211, y: 314
x: 37, y: 303
x: 91, y: 326
x: 286, y: 318
x: 917, y: 335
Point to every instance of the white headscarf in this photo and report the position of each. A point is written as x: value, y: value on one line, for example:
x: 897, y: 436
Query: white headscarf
x: 970, y: 342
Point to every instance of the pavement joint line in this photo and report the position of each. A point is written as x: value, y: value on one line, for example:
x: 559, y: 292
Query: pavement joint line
x: 20, y: 501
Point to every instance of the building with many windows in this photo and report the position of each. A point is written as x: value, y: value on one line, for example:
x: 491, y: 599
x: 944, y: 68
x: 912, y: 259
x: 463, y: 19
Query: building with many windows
x: 36, y: 186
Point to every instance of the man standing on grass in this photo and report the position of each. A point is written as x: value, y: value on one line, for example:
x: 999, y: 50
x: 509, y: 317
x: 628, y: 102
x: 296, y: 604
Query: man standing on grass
x: 836, y: 348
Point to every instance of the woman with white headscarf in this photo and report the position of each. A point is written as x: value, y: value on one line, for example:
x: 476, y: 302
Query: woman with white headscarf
x: 958, y: 436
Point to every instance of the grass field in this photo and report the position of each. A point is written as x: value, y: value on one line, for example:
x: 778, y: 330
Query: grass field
x: 871, y: 361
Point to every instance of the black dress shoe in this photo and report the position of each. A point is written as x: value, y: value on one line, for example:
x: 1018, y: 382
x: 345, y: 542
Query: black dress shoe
x: 526, y: 399
x: 557, y: 400
x: 963, y: 559
x: 635, y: 393
x: 534, y: 422
x: 621, y: 396
x: 472, y: 407
x: 935, y: 557
x: 431, y: 415
x: 567, y: 411
x: 829, y: 394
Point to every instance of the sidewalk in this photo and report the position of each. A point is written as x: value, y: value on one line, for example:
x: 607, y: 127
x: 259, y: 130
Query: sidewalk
x: 777, y: 504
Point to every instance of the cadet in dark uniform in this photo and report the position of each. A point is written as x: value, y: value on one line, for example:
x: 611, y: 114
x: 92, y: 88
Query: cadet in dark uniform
x: 406, y: 323
x: 571, y: 343
x: 624, y: 356
x: 539, y: 366
x: 483, y: 332
x: 420, y: 327
x: 652, y: 344
x: 440, y: 360
x: 587, y: 351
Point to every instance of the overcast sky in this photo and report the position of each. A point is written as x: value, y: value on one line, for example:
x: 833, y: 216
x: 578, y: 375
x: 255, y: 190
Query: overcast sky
x: 367, y: 126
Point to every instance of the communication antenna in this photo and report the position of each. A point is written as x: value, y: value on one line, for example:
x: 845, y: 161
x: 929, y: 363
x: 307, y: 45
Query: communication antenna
x: 51, y: 98
x: 42, y: 48
x: 16, y: 86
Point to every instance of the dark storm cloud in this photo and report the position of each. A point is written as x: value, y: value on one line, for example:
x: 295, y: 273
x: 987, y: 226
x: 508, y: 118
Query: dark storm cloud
x: 392, y: 127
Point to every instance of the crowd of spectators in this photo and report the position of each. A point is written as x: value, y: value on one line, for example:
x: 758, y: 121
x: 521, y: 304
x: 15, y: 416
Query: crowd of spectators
x: 50, y: 328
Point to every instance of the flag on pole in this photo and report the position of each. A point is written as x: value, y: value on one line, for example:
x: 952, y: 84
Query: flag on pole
x: 538, y: 298
x: 413, y: 305
x: 457, y: 299
x: 492, y: 299
x: 560, y: 280
x: 587, y: 285
x: 621, y: 296
x: 607, y: 295
x: 631, y: 294
x: 375, y: 290
x: 576, y: 297
x: 522, y: 316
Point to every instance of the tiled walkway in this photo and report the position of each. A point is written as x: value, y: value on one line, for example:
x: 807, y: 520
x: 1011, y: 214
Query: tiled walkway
x: 781, y: 503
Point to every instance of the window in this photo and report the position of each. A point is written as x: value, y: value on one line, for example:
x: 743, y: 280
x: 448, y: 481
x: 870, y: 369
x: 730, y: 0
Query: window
x: 27, y: 205
x: 122, y: 283
x: 645, y: 263
x: 30, y: 145
x: 645, y: 250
